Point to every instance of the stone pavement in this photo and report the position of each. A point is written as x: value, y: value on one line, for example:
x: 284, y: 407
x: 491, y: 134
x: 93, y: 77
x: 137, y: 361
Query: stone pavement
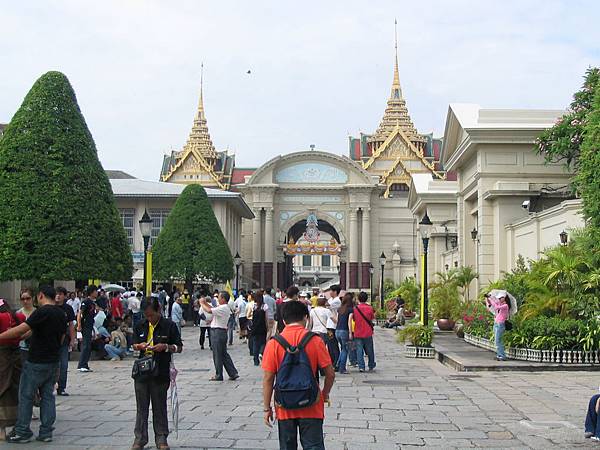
x: 405, y: 404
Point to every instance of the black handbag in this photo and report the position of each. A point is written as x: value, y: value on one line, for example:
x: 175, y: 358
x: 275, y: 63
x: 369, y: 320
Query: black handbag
x: 144, y: 368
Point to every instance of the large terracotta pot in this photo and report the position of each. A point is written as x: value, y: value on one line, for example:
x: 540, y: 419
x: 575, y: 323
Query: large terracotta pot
x: 445, y: 324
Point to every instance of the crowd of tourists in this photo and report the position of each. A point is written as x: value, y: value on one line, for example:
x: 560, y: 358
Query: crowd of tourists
x: 332, y: 328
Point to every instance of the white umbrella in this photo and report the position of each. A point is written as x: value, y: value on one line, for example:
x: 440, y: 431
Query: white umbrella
x: 174, y: 400
x: 497, y: 293
x: 113, y: 287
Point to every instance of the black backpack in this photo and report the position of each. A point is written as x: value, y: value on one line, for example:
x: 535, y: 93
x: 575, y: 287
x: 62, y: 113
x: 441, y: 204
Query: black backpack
x: 296, y: 386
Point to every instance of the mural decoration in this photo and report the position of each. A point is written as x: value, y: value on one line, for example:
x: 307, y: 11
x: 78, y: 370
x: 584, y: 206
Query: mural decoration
x: 312, y: 245
x: 312, y: 173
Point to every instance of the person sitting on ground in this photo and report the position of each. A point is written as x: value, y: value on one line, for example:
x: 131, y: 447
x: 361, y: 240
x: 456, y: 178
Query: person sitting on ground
x: 398, y: 320
x: 116, y: 349
x: 592, y: 424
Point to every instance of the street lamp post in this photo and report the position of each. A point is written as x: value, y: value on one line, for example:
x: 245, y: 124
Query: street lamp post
x: 425, y: 228
x: 371, y: 270
x: 146, y: 230
x: 382, y: 259
x: 237, y: 259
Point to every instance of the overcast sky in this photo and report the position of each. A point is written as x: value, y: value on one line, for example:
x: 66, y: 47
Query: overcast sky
x: 320, y: 70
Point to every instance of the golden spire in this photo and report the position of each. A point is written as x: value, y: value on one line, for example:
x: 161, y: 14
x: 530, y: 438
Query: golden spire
x: 396, y: 113
x: 199, y: 138
x: 200, y: 114
x: 396, y: 82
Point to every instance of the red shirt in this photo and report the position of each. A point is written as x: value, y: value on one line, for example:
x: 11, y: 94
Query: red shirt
x: 317, y: 354
x: 6, y: 322
x: 362, y: 329
x: 116, y: 307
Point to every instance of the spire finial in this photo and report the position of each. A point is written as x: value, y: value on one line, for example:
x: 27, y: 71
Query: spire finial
x: 396, y: 90
x: 201, y: 102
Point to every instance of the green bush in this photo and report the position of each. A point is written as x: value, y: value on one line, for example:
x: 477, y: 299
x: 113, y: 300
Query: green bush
x: 445, y: 301
x: 409, y: 290
x: 418, y: 335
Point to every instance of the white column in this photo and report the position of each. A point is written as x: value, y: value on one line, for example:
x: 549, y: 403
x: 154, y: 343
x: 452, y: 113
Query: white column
x: 366, y: 235
x: 256, y: 234
x: 353, y: 252
x: 269, y: 235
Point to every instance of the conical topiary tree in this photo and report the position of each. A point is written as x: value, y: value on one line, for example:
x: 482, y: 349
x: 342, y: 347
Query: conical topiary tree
x: 58, y: 218
x: 191, y: 242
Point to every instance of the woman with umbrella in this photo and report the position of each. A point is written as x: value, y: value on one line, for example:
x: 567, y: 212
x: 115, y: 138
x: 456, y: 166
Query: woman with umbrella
x: 499, y: 303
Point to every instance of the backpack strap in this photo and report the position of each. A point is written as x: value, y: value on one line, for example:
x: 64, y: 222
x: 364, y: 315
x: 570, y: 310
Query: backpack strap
x: 306, y: 339
x: 294, y: 348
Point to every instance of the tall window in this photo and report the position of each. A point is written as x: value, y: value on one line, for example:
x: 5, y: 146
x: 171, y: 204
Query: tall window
x: 306, y: 260
x: 326, y: 260
x: 127, y: 216
x: 159, y: 218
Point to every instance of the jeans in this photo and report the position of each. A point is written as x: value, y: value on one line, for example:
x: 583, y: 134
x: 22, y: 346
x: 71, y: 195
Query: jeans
x: 498, y: 333
x: 135, y: 318
x: 114, y: 352
x: 204, y: 331
x: 155, y: 391
x: 230, y: 329
x: 342, y: 336
x: 592, y: 425
x: 63, y: 361
x: 352, y: 353
x: 258, y: 345
x: 365, y: 345
x: 86, y: 348
x: 311, y: 434
x: 333, y: 347
x: 218, y: 339
x: 36, y: 376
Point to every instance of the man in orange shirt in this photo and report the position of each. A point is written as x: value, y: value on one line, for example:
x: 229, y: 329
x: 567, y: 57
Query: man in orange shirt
x: 308, y: 421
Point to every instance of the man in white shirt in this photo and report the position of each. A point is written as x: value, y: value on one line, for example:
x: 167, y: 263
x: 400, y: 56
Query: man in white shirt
x: 240, y: 309
x: 74, y: 303
x: 334, y: 304
x: 218, y: 337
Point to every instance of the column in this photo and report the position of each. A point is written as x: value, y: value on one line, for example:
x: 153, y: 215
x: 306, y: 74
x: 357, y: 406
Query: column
x: 269, y: 244
x: 353, y: 253
x: 256, y: 246
x: 366, y: 249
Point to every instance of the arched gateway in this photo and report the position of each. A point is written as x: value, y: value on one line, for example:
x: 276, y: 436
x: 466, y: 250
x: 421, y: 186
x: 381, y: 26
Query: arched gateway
x: 325, y: 206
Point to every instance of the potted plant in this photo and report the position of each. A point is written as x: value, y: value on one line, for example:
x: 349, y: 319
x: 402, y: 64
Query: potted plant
x: 445, y: 305
x: 419, y: 338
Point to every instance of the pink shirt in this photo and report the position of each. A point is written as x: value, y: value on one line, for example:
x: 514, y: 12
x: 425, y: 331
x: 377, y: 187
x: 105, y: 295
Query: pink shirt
x: 501, y: 310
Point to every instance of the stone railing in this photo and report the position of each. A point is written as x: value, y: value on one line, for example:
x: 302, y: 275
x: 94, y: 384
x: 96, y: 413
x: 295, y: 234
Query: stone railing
x: 543, y: 356
x: 411, y: 351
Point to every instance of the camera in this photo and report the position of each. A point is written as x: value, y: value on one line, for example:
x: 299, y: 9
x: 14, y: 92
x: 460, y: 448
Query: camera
x: 525, y: 204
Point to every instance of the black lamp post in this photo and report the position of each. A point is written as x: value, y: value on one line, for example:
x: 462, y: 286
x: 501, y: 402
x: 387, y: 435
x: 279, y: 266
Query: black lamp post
x: 425, y: 228
x: 146, y: 230
x: 237, y: 260
x: 371, y: 270
x: 564, y: 237
x: 382, y: 259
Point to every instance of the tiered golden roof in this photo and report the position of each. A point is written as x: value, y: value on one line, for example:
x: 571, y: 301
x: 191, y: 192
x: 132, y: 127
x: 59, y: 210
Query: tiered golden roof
x: 397, y: 148
x: 196, y: 162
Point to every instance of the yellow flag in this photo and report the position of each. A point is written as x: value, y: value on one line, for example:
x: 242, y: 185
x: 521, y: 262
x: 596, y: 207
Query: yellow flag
x: 228, y: 289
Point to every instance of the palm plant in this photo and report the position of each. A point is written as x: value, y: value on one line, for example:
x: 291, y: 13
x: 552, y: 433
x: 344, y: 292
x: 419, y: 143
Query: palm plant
x: 464, y: 277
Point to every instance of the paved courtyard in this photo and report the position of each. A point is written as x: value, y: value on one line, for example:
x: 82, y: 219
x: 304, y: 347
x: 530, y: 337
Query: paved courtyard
x: 404, y: 404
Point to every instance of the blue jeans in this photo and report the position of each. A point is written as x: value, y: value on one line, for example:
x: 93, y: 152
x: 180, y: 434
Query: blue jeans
x: 36, y: 376
x: 230, y: 329
x: 352, y: 353
x: 64, y: 366
x: 365, y: 345
x: 342, y: 337
x: 592, y: 425
x: 114, y: 352
x: 311, y: 434
x: 498, y: 333
x: 86, y: 348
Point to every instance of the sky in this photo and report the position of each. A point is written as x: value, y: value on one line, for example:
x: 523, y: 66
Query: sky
x: 320, y: 71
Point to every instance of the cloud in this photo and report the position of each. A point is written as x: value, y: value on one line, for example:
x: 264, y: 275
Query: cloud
x: 319, y: 70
